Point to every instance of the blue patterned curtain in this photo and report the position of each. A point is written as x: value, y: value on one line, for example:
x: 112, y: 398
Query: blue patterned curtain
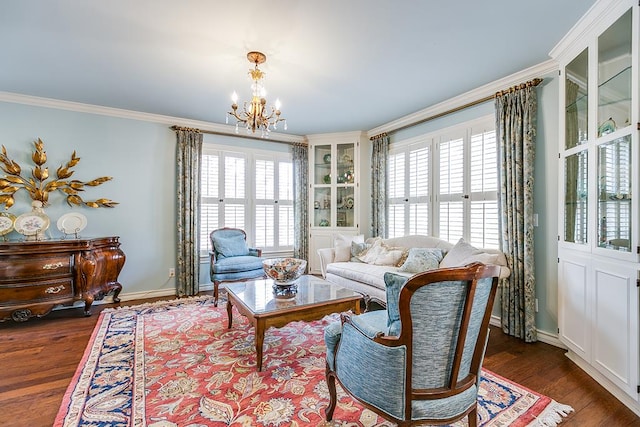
x: 189, y: 159
x: 301, y: 201
x: 379, y: 185
x: 516, y: 131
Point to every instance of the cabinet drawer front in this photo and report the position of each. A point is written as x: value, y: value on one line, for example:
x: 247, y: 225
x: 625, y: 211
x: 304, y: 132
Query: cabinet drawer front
x: 34, y: 292
x: 25, y: 267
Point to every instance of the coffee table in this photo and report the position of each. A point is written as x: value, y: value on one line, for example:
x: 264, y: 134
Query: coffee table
x: 315, y: 298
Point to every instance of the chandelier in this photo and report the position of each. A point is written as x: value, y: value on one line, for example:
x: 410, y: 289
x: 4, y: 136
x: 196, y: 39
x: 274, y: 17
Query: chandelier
x: 255, y: 114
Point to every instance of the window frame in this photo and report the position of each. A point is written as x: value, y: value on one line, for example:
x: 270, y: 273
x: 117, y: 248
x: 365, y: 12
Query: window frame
x: 249, y: 201
x: 434, y: 140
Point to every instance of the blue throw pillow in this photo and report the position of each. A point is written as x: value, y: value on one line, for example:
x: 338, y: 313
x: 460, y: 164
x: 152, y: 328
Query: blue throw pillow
x: 422, y: 259
x: 229, y: 246
x: 394, y: 283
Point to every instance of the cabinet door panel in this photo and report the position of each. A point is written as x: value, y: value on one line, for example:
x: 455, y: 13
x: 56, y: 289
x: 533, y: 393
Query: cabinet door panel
x: 574, y: 308
x: 615, y: 324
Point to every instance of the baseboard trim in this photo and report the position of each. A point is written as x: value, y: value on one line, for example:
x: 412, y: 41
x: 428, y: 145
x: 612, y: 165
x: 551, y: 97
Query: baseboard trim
x: 605, y: 382
x: 543, y: 336
x: 130, y: 296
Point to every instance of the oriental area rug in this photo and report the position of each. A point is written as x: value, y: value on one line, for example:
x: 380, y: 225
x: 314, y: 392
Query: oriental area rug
x: 175, y: 364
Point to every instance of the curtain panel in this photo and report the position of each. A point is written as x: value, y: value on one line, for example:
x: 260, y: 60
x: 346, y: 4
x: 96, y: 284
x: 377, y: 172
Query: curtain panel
x: 516, y: 130
x: 189, y: 160
x: 301, y: 201
x: 379, y: 187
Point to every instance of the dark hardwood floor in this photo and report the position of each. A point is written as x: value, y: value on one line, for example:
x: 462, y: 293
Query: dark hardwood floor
x: 38, y: 358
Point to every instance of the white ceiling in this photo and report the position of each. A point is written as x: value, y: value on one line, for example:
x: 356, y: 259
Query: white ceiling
x: 336, y: 65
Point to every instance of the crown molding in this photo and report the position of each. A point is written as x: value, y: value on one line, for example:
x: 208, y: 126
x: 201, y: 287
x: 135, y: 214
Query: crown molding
x: 489, y: 89
x: 79, y: 107
x: 599, y: 17
x: 337, y: 136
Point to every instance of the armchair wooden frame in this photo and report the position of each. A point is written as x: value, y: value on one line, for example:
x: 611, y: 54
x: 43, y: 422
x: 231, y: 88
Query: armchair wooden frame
x: 212, y: 255
x: 469, y: 274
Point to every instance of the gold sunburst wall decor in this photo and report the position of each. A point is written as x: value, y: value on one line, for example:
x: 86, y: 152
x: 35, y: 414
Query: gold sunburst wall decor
x: 40, y: 184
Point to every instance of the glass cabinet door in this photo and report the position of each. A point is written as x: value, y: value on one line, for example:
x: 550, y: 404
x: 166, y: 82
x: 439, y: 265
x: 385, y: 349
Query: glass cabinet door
x: 344, y: 164
x: 322, y: 164
x: 614, y: 76
x: 576, y: 197
x: 576, y: 100
x: 614, y: 194
x: 322, y: 206
x: 345, y: 207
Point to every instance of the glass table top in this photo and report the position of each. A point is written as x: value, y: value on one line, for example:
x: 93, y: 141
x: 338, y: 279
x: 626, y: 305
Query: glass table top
x: 259, y: 297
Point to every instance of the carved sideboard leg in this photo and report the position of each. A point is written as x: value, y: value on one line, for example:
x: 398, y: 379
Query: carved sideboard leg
x: 117, y: 287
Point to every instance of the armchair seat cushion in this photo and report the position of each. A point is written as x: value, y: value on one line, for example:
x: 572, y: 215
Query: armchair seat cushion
x: 236, y: 264
x: 370, y: 323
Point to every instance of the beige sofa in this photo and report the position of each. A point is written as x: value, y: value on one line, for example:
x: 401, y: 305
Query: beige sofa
x: 368, y: 279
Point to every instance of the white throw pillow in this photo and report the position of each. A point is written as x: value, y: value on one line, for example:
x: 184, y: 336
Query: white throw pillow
x: 463, y: 253
x: 342, y: 246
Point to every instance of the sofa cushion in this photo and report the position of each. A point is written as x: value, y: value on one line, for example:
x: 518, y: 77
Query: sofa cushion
x: 372, y: 275
x: 422, y: 259
x: 463, y: 253
x: 237, y: 264
x: 230, y: 246
x: 342, y: 246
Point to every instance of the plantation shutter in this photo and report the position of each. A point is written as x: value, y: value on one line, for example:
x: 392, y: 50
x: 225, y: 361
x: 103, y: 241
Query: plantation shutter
x: 209, y: 199
x: 396, y: 177
x: 419, y: 184
x: 234, y: 190
x: 451, y: 195
x: 483, y: 227
x: 264, y: 197
x: 285, y: 204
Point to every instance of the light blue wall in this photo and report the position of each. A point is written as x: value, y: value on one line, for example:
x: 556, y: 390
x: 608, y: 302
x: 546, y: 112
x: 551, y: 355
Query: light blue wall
x: 140, y: 156
x: 545, y: 192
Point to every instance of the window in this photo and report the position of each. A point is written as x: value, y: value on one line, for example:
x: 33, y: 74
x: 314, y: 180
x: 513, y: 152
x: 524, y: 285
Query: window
x: 408, y: 172
x: 446, y: 184
x: 251, y: 190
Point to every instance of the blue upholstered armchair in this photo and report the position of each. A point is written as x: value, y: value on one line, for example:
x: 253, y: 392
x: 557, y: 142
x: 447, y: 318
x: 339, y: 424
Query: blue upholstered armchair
x: 231, y: 259
x: 419, y: 360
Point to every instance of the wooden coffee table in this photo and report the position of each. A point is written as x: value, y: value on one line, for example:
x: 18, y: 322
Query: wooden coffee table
x: 315, y: 299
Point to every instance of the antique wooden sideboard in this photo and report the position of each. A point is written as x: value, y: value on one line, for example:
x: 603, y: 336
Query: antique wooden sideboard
x: 36, y: 276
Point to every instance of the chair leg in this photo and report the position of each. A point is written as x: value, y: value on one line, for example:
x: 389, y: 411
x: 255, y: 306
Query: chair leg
x: 333, y: 396
x: 215, y: 293
x: 473, y: 416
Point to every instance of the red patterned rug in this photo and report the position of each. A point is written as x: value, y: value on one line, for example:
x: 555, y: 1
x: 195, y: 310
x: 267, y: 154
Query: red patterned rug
x: 175, y: 364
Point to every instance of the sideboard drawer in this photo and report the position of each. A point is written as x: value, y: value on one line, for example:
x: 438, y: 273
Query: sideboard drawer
x: 37, y: 266
x: 34, y: 292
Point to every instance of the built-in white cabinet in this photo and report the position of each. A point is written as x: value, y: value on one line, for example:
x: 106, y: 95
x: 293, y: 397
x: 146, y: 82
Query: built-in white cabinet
x: 334, y: 190
x: 598, y: 241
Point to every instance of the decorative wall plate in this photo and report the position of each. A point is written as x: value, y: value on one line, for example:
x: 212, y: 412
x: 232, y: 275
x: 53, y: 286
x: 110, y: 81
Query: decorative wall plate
x: 327, y: 158
x: 31, y: 223
x: 348, y: 202
x: 6, y: 222
x: 72, y: 223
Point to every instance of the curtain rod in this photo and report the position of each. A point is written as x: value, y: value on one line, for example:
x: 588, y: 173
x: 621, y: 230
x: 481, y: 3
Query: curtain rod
x: 212, y: 132
x: 534, y: 82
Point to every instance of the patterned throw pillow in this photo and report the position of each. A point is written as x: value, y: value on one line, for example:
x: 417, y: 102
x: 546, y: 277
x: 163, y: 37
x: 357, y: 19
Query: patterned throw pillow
x: 422, y: 259
x: 358, y: 249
